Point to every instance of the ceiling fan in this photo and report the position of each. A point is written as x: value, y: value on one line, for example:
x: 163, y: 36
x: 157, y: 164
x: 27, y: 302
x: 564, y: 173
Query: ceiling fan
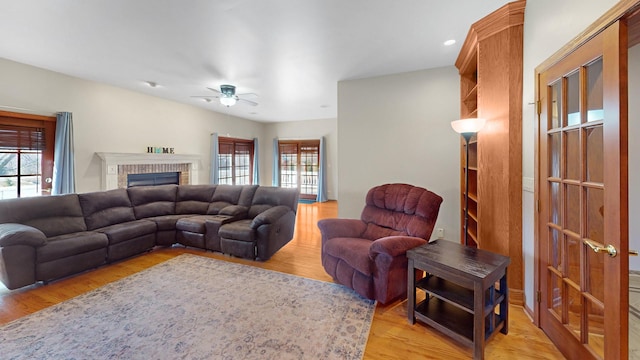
x: 228, y: 97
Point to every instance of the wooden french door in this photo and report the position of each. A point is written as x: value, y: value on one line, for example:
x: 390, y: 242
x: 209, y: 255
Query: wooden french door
x: 583, y: 216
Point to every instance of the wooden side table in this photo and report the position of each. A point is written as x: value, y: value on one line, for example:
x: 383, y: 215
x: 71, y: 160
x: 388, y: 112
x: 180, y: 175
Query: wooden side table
x: 461, y: 292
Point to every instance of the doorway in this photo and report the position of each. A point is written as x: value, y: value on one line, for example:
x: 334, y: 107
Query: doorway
x: 582, y: 180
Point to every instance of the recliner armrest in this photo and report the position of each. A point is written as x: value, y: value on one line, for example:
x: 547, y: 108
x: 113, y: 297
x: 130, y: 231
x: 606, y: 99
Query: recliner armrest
x: 394, y: 245
x: 19, y: 234
x: 332, y: 228
x: 269, y: 216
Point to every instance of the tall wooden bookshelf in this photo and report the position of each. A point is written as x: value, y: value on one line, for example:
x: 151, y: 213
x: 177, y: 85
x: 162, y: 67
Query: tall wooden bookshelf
x: 490, y: 67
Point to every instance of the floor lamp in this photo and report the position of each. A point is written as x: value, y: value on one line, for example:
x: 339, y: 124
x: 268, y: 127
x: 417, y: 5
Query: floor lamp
x: 467, y: 128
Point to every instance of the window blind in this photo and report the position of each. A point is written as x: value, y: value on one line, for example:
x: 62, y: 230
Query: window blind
x: 21, y: 137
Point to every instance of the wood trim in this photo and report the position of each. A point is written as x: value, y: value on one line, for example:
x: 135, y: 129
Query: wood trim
x: 616, y: 288
x: 26, y: 116
x: 516, y: 297
x: 511, y: 14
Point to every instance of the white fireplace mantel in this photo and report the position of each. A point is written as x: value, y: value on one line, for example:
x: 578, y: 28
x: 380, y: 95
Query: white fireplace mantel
x: 110, y: 162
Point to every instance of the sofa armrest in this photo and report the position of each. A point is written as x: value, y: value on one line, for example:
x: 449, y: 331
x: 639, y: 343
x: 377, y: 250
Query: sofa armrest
x: 332, y: 228
x: 237, y: 211
x: 394, y: 245
x: 19, y: 234
x: 269, y: 216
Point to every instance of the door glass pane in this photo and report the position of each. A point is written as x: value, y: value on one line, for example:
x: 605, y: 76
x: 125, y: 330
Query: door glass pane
x: 8, y: 164
x: 594, y: 91
x: 555, y: 203
x: 595, y: 327
x: 572, y: 208
x: 555, y: 250
x: 29, y: 163
x: 574, y: 309
x: 554, y: 155
x: 572, y: 162
x: 574, y: 246
x: 9, y: 187
x: 30, y: 186
x: 595, y: 261
x: 595, y: 215
x: 594, y: 160
x: 555, y: 113
x: 555, y: 294
x: 573, y: 99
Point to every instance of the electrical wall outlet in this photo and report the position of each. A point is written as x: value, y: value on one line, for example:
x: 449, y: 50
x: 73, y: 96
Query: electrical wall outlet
x: 440, y: 233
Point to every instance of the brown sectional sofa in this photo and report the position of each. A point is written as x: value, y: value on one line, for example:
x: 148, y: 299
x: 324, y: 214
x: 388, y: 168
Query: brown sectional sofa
x: 46, y: 238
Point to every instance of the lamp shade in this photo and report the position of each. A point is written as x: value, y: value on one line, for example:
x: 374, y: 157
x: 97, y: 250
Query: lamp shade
x: 471, y: 125
x: 227, y: 100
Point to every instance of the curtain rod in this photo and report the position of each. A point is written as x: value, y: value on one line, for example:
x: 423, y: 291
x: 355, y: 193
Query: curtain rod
x: 35, y: 112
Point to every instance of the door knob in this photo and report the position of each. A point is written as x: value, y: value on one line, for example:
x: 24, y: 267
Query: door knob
x: 609, y: 249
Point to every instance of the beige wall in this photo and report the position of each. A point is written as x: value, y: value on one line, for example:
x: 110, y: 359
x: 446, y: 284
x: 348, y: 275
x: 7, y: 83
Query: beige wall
x: 301, y: 130
x: 548, y: 25
x: 111, y: 119
x: 397, y: 128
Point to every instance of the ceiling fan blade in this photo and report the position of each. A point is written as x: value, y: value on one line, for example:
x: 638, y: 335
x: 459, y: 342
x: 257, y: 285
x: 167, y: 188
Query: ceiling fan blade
x: 249, y: 102
x: 206, y: 98
x: 248, y: 95
x: 214, y: 90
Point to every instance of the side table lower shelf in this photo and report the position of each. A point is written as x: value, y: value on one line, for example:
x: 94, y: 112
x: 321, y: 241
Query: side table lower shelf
x: 452, y: 321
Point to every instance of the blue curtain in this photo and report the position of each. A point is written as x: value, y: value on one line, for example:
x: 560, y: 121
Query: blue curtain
x: 322, y: 174
x: 214, y: 176
x: 256, y: 162
x: 64, y: 179
x: 275, y: 180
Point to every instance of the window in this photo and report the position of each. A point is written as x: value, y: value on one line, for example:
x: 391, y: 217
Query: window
x: 299, y: 165
x: 26, y: 154
x: 235, y: 161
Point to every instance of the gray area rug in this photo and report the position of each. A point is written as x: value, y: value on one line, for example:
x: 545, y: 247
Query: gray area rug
x: 193, y: 307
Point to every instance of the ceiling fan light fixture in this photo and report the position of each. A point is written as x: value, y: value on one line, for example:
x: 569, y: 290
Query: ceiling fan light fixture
x: 227, y: 100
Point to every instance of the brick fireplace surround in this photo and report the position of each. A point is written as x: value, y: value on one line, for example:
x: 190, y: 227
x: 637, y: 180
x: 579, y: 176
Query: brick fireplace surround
x: 116, y: 167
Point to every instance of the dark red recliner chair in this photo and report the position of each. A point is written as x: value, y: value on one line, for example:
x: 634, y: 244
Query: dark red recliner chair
x: 369, y: 255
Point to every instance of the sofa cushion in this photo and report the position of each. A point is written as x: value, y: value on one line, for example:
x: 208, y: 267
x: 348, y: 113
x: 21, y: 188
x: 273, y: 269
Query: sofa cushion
x: 104, y: 208
x: 353, y: 251
x: 238, y: 230
x: 194, y: 199
x: 151, y: 201
x: 53, y: 215
x: 224, y: 195
x: 69, y: 245
x: 126, y: 231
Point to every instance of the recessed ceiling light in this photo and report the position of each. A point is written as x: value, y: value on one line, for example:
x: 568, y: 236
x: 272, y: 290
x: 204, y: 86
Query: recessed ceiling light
x: 449, y: 42
x: 151, y: 83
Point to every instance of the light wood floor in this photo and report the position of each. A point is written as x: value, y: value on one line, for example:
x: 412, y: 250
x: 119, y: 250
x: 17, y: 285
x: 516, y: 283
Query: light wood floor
x: 391, y: 336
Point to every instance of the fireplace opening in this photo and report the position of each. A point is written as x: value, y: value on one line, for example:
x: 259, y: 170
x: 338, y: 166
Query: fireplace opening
x: 153, y: 179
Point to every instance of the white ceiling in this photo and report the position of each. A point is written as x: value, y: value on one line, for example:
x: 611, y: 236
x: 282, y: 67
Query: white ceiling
x: 291, y: 53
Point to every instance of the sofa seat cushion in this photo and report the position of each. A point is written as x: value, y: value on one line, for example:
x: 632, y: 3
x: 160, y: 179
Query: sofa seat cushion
x: 194, y: 224
x: 167, y: 222
x: 197, y: 223
x: 238, y: 230
x: 353, y: 251
x: 129, y: 230
x: 66, y: 245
